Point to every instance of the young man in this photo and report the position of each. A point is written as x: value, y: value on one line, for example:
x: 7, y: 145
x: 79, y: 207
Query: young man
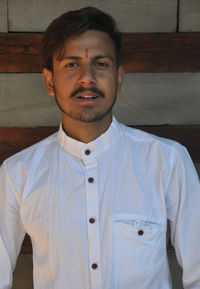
x: 96, y: 196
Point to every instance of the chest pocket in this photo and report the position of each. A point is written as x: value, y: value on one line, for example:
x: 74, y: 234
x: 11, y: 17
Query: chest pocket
x: 139, y: 250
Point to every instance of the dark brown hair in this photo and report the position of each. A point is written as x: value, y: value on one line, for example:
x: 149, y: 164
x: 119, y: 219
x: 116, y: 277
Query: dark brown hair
x: 74, y: 23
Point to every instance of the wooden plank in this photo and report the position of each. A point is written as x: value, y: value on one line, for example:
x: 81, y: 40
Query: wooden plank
x: 178, y: 52
x: 141, y: 52
x: 19, y: 52
x: 14, y: 139
x: 187, y: 135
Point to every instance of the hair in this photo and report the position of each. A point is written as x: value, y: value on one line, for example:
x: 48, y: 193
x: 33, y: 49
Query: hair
x: 74, y: 23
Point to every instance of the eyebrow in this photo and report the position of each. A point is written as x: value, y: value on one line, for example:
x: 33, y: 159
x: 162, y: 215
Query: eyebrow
x: 104, y: 56
x: 69, y: 57
x: 79, y: 58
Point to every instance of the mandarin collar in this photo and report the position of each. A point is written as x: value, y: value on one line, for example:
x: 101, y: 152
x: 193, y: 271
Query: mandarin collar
x: 88, y: 151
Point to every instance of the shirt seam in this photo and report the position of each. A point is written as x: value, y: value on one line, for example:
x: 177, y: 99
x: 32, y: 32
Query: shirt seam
x: 15, y: 193
x: 176, y: 154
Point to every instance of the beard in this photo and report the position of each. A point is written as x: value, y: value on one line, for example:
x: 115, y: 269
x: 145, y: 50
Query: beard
x: 88, y: 113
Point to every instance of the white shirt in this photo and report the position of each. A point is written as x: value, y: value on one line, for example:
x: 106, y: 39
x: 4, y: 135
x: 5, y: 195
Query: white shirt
x: 97, y: 213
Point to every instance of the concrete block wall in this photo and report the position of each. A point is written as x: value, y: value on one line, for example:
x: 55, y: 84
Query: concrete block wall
x: 145, y: 99
x: 132, y: 16
x: 3, y: 16
x: 189, y: 16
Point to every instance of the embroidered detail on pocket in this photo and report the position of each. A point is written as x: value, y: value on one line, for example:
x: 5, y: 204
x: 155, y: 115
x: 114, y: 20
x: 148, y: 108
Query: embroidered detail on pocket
x: 138, y: 221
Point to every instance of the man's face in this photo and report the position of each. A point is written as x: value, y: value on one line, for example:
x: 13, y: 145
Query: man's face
x: 85, y: 80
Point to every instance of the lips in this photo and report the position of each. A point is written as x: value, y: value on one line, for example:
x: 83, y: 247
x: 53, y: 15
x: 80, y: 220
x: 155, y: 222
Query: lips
x: 85, y: 93
x: 87, y: 96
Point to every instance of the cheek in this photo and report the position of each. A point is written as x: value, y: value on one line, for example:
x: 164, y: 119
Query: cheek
x: 111, y: 83
x: 62, y: 81
x: 108, y: 79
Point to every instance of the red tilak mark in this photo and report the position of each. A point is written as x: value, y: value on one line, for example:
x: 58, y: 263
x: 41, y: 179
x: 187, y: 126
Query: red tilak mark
x: 86, y: 52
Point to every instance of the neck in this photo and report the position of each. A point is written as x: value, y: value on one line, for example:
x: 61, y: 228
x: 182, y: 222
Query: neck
x: 85, y: 131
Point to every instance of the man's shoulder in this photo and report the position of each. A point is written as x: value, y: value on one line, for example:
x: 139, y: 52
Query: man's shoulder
x: 34, y: 152
x: 143, y: 138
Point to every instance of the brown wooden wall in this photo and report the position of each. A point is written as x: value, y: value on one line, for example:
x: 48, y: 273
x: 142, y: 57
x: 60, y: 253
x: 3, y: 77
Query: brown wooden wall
x: 141, y: 52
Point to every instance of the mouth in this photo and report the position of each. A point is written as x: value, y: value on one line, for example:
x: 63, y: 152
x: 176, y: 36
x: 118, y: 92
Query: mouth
x: 87, y: 96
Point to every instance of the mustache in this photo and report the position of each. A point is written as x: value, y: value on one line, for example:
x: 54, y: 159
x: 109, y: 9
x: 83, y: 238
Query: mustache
x: 91, y: 89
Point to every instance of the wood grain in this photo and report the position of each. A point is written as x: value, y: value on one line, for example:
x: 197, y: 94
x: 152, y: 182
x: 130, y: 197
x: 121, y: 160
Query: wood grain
x: 14, y: 139
x: 141, y: 52
x: 175, y: 52
x: 19, y: 52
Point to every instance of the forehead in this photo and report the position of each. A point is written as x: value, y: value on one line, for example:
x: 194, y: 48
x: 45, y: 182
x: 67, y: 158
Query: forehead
x: 96, y: 42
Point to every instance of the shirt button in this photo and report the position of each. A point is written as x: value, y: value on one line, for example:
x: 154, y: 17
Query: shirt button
x: 87, y: 152
x: 140, y: 232
x: 92, y: 220
x: 90, y: 180
x: 94, y: 266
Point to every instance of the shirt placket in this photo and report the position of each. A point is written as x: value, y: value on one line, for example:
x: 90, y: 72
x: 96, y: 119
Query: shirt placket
x: 92, y: 218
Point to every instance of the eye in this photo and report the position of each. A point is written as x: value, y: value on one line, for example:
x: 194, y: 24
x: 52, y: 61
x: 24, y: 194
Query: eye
x: 102, y: 65
x: 71, y: 65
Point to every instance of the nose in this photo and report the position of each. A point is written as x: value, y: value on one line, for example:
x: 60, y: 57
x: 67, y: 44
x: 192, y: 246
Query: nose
x: 87, y: 75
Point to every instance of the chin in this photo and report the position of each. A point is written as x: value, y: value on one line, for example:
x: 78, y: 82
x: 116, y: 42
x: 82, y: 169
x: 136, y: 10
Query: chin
x: 89, y: 117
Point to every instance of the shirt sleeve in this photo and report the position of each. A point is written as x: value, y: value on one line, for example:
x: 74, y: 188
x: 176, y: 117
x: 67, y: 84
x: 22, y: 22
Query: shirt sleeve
x: 183, y: 198
x: 11, y: 229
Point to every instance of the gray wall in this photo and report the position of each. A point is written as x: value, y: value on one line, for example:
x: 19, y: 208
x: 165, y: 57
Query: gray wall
x: 146, y: 98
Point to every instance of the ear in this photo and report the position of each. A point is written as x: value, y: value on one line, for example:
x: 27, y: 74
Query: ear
x: 120, y: 74
x: 48, y: 80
